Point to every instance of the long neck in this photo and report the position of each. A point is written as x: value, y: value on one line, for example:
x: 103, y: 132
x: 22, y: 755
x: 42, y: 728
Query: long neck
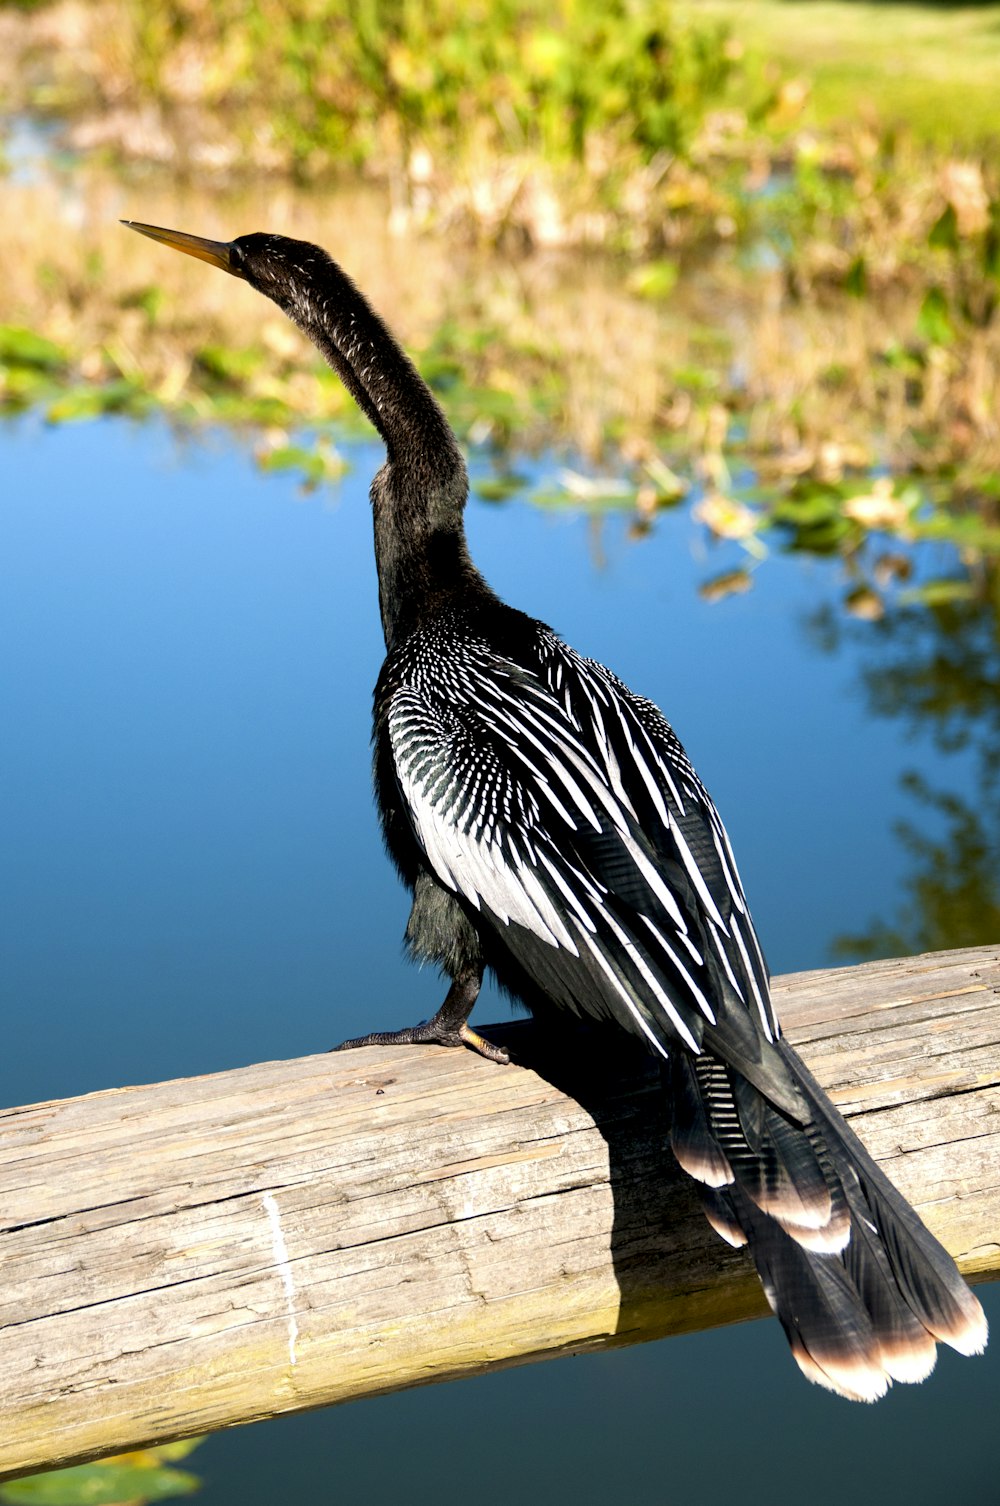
x: 419, y: 495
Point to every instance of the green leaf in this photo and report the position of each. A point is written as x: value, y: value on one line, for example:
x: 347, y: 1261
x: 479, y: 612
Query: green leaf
x: 234, y: 367
x: 441, y: 372
x: 809, y: 507
x: 128, y: 1478
x: 655, y: 279
x: 168, y: 1453
x: 499, y: 488
x: 814, y: 514
x: 966, y: 530
x: 79, y: 402
x: 991, y: 245
x: 234, y: 407
x: 856, y: 280
x: 934, y: 321
x: 944, y: 231
x: 986, y: 484
x: 696, y: 378
x: 149, y: 299
x: 21, y: 387
x: 826, y: 538
x: 123, y: 396
x: 911, y: 362
x: 292, y: 457
x: 322, y: 463
x: 938, y: 593
x: 22, y: 347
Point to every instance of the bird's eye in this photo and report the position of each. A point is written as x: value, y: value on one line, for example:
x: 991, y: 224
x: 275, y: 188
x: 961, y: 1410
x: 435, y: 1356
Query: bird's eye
x: 235, y: 257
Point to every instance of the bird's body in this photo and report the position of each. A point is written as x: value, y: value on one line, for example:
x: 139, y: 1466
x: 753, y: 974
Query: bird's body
x: 552, y: 829
x: 564, y: 816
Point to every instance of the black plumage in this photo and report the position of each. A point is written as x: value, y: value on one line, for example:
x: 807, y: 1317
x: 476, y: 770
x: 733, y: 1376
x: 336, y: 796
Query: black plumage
x: 552, y: 829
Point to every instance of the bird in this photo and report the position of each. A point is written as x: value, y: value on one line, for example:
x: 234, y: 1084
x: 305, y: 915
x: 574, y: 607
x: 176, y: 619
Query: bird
x: 553, y: 831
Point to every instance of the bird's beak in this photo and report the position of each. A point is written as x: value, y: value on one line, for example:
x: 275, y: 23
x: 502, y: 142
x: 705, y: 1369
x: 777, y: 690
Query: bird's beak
x: 216, y: 253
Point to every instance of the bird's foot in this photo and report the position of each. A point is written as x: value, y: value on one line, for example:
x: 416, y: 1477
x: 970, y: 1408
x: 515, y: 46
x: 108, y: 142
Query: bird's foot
x: 434, y: 1032
x: 449, y: 1027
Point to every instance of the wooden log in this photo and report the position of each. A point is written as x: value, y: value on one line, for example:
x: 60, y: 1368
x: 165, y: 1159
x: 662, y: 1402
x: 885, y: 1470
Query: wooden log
x: 199, y: 1253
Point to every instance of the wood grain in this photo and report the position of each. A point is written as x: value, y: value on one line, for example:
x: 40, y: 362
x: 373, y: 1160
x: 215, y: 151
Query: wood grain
x: 186, y: 1256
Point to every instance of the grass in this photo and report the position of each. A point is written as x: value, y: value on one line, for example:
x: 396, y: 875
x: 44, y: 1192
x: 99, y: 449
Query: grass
x: 933, y: 68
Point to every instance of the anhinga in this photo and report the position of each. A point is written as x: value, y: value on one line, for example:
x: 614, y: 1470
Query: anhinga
x: 552, y: 829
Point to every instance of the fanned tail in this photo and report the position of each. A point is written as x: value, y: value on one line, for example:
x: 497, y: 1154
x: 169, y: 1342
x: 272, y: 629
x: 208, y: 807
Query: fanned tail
x: 861, y: 1287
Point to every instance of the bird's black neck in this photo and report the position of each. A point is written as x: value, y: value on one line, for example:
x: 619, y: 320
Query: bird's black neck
x: 419, y: 495
x: 421, y: 554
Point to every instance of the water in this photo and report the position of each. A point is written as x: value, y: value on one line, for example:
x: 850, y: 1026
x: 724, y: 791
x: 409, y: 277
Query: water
x: 192, y: 879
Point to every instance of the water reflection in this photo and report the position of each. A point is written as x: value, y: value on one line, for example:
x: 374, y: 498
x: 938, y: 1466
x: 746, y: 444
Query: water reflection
x: 192, y: 878
x: 935, y: 670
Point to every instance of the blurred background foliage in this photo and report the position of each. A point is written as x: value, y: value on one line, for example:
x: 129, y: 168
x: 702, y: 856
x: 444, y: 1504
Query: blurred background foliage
x: 636, y: 236
x: 314, y: 83
x: 134, y: 1479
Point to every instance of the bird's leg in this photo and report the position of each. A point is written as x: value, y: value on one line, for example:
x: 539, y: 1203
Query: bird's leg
x: 449, y: 1027
x: 439, y: 931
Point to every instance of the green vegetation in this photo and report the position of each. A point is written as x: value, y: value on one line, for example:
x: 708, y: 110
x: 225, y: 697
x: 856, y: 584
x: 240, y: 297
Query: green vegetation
x: 504, y: 74
x: 816, y: 302
x: 930, y: 68
x: 310, y: 84
x: 143, y: 1476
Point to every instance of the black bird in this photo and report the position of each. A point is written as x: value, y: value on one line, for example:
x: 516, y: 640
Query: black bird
x: 551, y: 828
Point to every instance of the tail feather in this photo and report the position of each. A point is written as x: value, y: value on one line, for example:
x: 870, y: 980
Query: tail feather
x: 832, y: 1336
x: 924, y: 1272
x: 907, y: 1350
x: 863, y: 1290
x: 692, y: 1138
x: 718, y: 1209
x: 833, y: 1236
x: 926, y: 1275
x: 785, y: 1172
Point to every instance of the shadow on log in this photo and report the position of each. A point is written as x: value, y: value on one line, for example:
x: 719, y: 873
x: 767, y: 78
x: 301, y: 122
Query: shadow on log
x: 194, y: 1254
x: 657, y: 1218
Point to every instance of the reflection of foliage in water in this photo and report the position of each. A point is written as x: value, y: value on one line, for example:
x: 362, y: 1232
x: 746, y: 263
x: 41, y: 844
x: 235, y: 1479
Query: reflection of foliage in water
x: 937, y: 668
x: 953, y: 890
x: 830, y: 296
x: 144, y: 1475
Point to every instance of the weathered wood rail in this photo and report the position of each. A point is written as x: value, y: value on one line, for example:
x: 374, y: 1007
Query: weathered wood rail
x: 193, y: 1254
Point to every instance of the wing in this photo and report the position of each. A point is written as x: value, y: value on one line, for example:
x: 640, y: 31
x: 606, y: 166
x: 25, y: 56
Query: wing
x: 564, y: 810
x: 637, y: 746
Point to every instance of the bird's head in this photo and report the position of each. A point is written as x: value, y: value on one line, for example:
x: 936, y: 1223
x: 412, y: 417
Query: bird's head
x: 317, y: 295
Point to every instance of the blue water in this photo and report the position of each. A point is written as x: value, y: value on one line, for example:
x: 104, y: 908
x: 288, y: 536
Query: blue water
x: 191, y: 878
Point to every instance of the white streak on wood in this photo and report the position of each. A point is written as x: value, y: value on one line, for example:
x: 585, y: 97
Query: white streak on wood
x: 284, y: 1266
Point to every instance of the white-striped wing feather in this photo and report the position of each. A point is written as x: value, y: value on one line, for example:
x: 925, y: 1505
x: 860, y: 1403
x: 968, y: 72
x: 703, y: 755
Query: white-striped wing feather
x: 564, y: 810
x: 680, y: 817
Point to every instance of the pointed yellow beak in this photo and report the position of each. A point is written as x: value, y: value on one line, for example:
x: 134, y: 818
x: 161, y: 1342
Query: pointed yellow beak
x: 216, y: 253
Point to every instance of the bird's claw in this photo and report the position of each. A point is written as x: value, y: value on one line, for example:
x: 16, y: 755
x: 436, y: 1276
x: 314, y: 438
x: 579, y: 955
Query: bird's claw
x: 476, y: 1042
x: 429, y: 1033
